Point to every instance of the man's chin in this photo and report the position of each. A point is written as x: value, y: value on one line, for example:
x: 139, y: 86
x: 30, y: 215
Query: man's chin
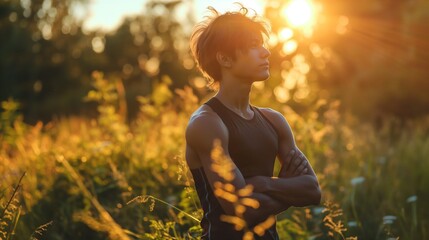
x: 263, y: 78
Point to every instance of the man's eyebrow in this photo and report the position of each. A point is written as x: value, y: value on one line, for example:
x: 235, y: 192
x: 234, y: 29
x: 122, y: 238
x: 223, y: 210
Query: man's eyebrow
x: 256, y: 39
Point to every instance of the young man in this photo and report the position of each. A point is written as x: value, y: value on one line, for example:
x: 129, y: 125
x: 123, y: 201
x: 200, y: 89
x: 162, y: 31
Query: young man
x: 229, y: 50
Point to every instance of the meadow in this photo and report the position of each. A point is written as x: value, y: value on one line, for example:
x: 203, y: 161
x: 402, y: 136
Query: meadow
x: 112, y: 178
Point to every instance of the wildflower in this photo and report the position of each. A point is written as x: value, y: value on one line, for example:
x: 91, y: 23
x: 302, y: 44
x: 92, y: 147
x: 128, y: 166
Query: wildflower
x: 221, y: 164
x: 246, y: 191
x: 357, y: 180
x: 101, y: 146
x: 352, y: 224
x: 238, y: 223
x: 318, y: 210
x: 248, y: 236
x: 230, y: 197
x: 411, y: 199
x: 250, y: 202
x: 262, y: 227
x: 388, y: 219
x: 382, y: 160
x: 240, y: 209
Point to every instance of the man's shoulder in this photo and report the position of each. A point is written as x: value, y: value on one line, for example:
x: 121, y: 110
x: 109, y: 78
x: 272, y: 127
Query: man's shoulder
x: 279, y: 122
x: 271, y: 114
x: 204, y: 114
x: 203, y: 121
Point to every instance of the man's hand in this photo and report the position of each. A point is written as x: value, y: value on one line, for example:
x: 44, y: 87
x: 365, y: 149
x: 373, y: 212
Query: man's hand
x: 295, y: 164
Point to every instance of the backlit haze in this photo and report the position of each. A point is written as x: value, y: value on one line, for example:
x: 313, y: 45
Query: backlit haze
x: 107, y: 15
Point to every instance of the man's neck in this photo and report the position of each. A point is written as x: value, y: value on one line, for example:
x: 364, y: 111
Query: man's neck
x: 235, y: 96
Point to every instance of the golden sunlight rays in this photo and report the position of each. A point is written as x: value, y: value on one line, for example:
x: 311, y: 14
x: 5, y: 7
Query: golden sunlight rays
x: 388, y: 39
x: 299, y: 19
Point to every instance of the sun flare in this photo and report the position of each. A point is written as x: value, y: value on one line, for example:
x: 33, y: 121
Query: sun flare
x: 299, y: 13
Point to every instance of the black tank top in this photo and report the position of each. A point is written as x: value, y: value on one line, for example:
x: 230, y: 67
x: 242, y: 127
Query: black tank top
x: 253, y: 145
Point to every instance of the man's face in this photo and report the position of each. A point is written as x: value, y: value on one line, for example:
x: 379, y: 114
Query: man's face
x: 252, y: 64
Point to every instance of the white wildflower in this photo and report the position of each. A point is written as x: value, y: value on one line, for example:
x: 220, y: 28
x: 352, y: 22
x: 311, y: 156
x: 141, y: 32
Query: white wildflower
x: 318, y: 210
x: 388, y: 219
x: 352, y: 224
x: 357, y: 180
x: 382, y: 160
x: 411, y: 199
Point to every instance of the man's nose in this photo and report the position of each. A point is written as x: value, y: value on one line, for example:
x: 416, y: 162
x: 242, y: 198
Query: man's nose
x: 265, y: 52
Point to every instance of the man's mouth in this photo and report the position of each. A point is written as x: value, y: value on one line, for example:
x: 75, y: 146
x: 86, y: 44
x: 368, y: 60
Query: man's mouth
x: 265, y: 64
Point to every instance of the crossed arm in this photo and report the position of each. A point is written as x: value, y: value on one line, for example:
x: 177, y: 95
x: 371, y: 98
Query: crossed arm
x: 273, y: 194
x: 297, y: 184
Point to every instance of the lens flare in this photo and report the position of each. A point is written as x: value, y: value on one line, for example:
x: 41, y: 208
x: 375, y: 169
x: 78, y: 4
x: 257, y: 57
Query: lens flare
x: 299, y: 13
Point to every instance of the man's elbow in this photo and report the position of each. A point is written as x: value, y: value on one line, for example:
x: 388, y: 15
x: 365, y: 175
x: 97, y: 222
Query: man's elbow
x: 316, y: 195
x: 313, y: 195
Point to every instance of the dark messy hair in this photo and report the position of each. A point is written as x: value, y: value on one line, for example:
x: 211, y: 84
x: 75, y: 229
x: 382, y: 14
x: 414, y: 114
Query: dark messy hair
x: 227, y: 33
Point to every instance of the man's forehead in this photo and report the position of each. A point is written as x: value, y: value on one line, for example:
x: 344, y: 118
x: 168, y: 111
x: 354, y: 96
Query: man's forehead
x: 253, y: 36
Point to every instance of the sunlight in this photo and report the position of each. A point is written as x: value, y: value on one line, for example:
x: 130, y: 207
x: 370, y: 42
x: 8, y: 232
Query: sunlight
x: 299, y: 13
x: 107, y: 15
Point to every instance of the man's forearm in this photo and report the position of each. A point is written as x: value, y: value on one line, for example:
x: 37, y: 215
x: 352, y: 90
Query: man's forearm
x: 294, y: 164
x: 267, y: 206
x: 296, y: 191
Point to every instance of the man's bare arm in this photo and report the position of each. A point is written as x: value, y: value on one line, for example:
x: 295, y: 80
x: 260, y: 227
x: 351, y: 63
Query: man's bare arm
x: 201, y: 133
x: 297, y: 191
x: 297, y: 183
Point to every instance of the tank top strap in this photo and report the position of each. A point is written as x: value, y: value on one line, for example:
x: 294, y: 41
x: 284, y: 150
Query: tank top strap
x: 220, y: 110
x: 216, y: 105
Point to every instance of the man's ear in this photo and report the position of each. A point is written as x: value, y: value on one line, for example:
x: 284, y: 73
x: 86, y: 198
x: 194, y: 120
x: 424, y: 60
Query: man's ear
x: 223, y: 60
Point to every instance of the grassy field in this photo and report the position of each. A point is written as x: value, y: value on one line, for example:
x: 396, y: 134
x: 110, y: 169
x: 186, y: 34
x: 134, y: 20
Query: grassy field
x: 106, y: 178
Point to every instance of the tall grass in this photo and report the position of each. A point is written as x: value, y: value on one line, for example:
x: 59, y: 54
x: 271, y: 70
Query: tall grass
x: 81, y: 174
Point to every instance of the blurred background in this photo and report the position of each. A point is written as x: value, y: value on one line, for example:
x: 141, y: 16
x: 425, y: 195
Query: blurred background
x: 371, y: 55
x: 98, y: 94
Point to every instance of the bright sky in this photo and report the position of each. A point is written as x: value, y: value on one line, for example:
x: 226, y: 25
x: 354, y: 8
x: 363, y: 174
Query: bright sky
x: 108, y: 14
